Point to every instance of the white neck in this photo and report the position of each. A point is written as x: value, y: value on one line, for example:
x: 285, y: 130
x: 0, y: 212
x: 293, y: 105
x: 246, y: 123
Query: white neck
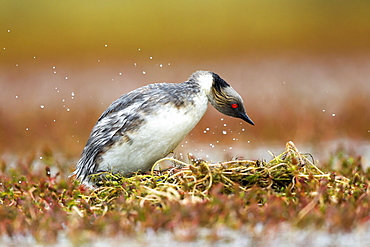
x: 204, y: 79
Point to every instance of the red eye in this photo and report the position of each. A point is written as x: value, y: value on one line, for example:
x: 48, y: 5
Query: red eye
x: 234, y: 106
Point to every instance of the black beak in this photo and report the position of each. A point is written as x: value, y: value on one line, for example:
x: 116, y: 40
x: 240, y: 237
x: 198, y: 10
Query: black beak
x: 245, y: 117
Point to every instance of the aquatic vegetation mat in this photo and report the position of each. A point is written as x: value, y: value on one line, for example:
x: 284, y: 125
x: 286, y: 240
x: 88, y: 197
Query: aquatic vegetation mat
x: 191, y: 195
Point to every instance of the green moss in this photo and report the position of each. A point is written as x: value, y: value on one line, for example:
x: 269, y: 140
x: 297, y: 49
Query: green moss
x: 288, y: 188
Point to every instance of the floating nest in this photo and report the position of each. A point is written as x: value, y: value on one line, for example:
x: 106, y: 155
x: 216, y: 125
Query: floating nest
x: 194, y: 181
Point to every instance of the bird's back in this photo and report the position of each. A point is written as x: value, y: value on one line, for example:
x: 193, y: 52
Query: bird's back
x: 141, y: 127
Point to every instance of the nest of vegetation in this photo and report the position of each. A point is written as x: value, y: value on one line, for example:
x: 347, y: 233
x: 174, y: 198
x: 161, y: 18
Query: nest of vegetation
x: 185, y: 198
x: 193, y: 181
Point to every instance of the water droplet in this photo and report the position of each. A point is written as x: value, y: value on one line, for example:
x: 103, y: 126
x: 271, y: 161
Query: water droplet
x: 135, y: 64
x: 16, y: 96
x: 98, y: 60
x: 72, y: 94
x: 27, y: 129
x: 68, y: 109
x: 224, y: 132
x: 144, y: 72
x: 207, y: 129
x: 230, y: 147
x: 66, y: 77
x: 243, y: 129
x: 42, y: 106
x: 160, y: 65
x: 54, y: 120
x: 54, y: 72
x: 16, y: 65
x: 150, y: 58
x: 120, y: 73
x: 249, y: 141
x: 40, y: 157
x: 34, y: 57
x: 169, y: 64
x: 333, y: 114
x: 63, y: 100
x: 8, y: 30
x: 222, y: 119
x: 323, y: 110
x: 54, y: 67
x: 139, y: 49
x: 225, y: 125
x: 105, y: 45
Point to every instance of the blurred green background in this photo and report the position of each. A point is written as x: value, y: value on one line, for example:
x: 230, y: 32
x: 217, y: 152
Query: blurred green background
x: 302, y: 67
x: 70, y: 30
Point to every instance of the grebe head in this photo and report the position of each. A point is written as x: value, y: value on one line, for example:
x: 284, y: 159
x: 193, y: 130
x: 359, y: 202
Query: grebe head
x: 226, y: 100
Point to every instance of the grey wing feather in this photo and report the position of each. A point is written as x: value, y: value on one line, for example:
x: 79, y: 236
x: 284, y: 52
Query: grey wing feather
x: 118, y: 115
x: 124, y: 114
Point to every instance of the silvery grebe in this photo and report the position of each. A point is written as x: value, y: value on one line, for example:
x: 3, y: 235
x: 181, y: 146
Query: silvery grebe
x: 146, y: 124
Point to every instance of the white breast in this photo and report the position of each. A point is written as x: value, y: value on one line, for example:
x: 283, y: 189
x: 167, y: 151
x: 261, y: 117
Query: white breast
x: 163, y: 130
